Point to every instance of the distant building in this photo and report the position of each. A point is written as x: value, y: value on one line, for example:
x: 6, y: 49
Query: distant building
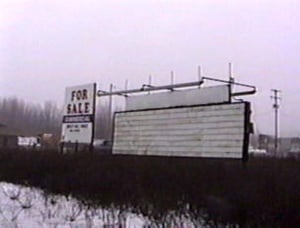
x: 29, y: 142
x: 284, y: 146
x: 7, y: 138
x: 49, y: 141
x: 287, y: 146
x: 266, y: 142
x: 295, y: 145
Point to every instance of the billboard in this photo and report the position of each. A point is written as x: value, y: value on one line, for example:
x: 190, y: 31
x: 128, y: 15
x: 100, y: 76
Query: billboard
x: 203, y: 95
x: 212, y: 131
x: 79, y: 114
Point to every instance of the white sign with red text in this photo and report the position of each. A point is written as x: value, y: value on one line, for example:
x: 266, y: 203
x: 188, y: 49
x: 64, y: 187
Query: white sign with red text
x: 79, y: 114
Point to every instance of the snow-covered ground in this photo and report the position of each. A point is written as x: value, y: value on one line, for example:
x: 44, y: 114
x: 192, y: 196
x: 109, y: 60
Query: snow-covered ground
x: 29, y: 207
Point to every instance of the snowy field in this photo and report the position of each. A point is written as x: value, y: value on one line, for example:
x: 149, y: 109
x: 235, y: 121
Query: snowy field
x: 29, y: 207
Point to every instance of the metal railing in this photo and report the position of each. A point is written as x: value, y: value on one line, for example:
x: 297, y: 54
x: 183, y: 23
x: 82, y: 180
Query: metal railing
x: 172, y: 87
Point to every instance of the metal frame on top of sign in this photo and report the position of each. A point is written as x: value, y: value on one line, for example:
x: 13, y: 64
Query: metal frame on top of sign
x: 79, y: 114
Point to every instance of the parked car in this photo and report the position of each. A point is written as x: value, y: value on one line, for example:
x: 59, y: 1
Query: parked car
x: 257, y: 152
x: 103, y: 146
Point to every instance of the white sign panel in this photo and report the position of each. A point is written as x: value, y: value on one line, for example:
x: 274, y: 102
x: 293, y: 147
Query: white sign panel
x: 215, y: 131
x: 79, y: 113
x: 203, y: 95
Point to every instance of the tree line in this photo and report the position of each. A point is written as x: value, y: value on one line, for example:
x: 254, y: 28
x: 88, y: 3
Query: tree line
x: 26, y: 118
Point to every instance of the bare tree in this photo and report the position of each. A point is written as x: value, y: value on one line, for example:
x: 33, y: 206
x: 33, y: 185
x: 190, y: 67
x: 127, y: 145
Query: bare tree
x: 27, y: 118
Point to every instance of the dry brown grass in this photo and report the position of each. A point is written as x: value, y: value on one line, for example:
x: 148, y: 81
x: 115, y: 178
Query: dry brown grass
x: 263, y: 193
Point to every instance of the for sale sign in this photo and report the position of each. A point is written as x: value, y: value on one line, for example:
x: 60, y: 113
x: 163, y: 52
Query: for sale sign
x: 79, y: 114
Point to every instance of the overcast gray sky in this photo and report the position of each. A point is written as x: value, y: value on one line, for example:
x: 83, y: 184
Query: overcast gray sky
x: 46, y: 45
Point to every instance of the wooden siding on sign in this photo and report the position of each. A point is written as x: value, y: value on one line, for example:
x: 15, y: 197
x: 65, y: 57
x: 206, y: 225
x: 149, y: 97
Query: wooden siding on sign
x: 201, y: 131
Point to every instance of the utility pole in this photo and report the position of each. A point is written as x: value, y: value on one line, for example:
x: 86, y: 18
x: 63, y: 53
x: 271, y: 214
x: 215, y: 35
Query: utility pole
x: 109, y: 133
x: 149, y: 82
x: 199, y: 74
x: 172, y: 77
x: 126, y: 84
x: 276, y: 107
x: 231, y: 79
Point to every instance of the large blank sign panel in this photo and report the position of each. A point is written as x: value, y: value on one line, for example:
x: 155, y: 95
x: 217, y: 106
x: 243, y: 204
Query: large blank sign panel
x: 205, y: 95
x: 214, y: 131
